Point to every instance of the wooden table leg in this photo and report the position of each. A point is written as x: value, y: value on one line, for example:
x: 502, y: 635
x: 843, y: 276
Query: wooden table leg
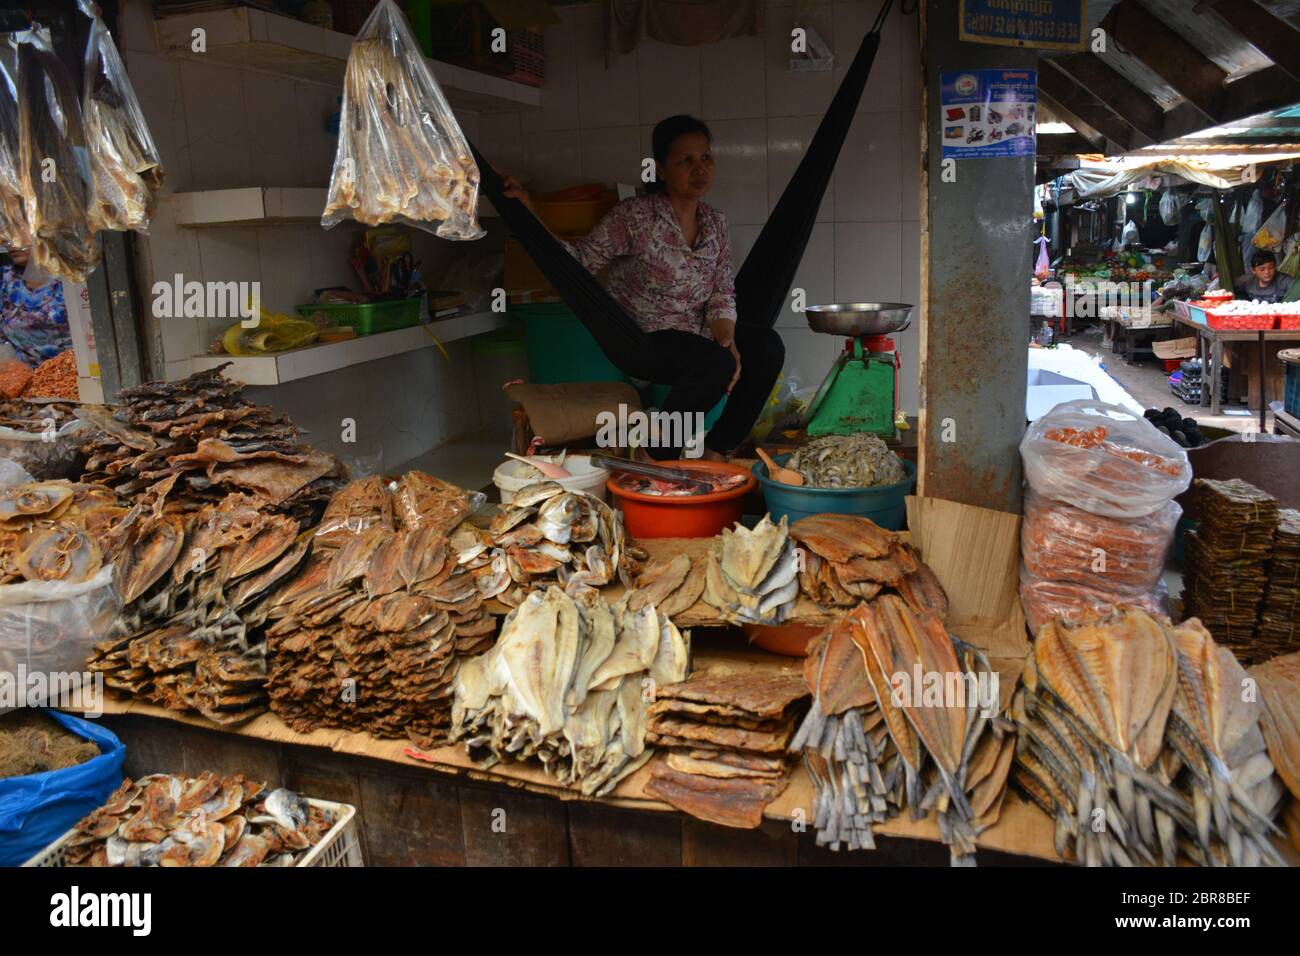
x: 1205, y: 362
x: 1263, y: 389
x: 1216, y: 352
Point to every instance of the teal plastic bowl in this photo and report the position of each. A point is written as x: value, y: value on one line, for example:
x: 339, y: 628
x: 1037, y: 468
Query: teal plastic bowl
x: 883, y: 504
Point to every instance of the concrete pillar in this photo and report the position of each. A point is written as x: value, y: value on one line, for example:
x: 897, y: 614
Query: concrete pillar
x: 976, y: 245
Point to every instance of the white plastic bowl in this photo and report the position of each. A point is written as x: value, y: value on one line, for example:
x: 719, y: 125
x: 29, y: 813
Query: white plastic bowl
x: 583, y: 476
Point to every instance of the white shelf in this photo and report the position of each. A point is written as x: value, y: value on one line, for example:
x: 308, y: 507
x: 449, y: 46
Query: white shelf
x: 255, y: 40
x: 261, y: 206
x: 330, y: 357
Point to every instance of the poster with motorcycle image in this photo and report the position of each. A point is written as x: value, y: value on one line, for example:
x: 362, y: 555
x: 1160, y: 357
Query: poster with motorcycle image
x: 988, y: 113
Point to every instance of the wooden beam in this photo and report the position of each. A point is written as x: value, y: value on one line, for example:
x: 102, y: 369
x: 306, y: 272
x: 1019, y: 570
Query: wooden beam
x: 1272, y: 36
x: 1063, y: 144
x: 1078, y: 102
x: 1124, y: 98
x: 1147, y: 38
x: 1260, y: 92
x: 1094, y: 138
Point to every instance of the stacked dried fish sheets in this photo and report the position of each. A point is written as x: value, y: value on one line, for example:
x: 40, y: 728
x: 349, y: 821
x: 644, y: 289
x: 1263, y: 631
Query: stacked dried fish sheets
x: 1279, y: 615
x: 726, y: 736
x: 752, y: 576
x: 202, y: 433
x: 552, y: 536
x: 193, y: 589
x: 673, y: 585
x: 1227, y: 558
x: 168, y: 819
x: 568, y: 683
x: 904, y: 716
x: 369, y: 637
x: 851, y: 559
x: 57, y: 531
x: 1139, y: 740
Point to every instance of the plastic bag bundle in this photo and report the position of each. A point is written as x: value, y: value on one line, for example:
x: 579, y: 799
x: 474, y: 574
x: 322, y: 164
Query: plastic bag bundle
x: 126, y: 172
x: 1047, y: 600
x: 401, y: 155
x: 1103, y: 459
x: 54, y: 178
x: 13, y: 211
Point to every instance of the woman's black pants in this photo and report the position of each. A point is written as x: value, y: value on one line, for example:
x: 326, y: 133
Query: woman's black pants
x: 698, y: 371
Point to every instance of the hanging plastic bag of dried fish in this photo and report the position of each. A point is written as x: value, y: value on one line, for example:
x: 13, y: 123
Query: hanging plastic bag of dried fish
x: 14, y: 233
x: 52, y: 165
x: 126, y: 172
x: 401, y: 156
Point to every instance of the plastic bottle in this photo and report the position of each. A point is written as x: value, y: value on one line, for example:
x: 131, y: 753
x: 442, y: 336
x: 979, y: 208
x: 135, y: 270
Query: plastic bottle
x: 1045, y: 335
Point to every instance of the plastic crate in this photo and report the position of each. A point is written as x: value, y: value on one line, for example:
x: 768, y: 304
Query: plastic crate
x: 1289, y: 322
x: 1239, y: 323
x: 371, y: 317
x: 339, y: 847
x: 560, y: 349
x: 1291, y: 389
x: 528, y: 53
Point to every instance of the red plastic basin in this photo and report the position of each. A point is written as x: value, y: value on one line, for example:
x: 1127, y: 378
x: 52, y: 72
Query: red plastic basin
x: 685, y: 516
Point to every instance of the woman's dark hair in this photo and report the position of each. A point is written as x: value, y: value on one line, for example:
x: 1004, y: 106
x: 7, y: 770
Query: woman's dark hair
x: 1261, y: 257
x: 667, y: 132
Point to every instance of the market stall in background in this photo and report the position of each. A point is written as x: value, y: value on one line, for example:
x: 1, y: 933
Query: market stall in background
x: 333, y: 635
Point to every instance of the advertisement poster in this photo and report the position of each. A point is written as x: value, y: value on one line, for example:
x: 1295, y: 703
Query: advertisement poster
x: 988, y: 113
x: 1045, y: 24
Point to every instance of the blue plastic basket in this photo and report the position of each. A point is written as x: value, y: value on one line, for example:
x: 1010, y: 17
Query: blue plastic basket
x: 1291, y: 390
x: 884, y: 504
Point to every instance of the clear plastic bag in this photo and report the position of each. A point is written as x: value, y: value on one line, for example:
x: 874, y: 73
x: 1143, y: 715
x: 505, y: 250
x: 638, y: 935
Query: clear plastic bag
x: 1064, y: 543
x: 1273, y: 230
x: 1205, y: 247
x: 401, y: 155
x: 1254, y: 212
x: 1169, y: 212
x: 126, y: 171
x: 14, y: 232
x: 1044, y: 600
x: 47, y: 455
x: 1104, y: 459
x: 52, y: 162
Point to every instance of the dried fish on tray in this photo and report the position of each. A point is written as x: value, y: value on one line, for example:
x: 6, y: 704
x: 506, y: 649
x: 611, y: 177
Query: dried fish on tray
x: 1136, y: 739
x: 904, y: 716
x: 1227, y: 558
x: 752, y: 575
x: 1279, y: 692
x: 567, y: 683
x: 401, y: 155
x: 57, y: 531
x: 850, y: 559
x: 370, y: 636
x: 202, y: 434
x: 194, y: 602
x: 847, y: 461
x: 168, y: 819
x: 726, y: 737
x: 673, y: 585
x: 548, y: 535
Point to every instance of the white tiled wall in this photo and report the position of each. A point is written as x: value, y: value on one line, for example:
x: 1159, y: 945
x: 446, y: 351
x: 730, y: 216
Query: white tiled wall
x: 595, y: 125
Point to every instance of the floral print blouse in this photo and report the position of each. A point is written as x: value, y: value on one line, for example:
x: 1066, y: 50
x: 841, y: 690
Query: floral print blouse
x: 33, y: 321
x: 659, y: 280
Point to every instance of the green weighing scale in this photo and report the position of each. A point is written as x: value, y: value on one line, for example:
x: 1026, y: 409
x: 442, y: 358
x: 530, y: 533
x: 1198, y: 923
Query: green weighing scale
x: 860, y: 393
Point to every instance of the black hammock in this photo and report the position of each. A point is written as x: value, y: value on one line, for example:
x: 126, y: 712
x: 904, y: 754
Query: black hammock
x: 768, y: 271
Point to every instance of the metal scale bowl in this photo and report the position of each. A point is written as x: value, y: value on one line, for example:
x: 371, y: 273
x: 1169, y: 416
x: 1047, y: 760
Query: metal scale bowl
x: 860, y: 392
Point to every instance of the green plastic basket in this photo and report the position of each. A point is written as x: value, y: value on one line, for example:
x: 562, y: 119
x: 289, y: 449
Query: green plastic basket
x: 370, y: 317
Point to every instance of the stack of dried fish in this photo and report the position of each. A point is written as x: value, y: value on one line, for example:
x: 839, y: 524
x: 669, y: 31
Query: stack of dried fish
x: 1136, y: 738
x: 192, y: 587
x: 752, y: 576
x: 401, y: 155
x: 550, y: 535
x: 847, y: 461
x: 170, y: 820
x: 672, y: 585
x: 853, y: 559
x: 1227, y: 557
x: 904, y: 715
x: 369, y: 637
x: 567, y: 683
x: 202, y: 432
x: 57, y: 531
x: 1279, y: 691
x: 1279, y: 616
x: 728, y: 735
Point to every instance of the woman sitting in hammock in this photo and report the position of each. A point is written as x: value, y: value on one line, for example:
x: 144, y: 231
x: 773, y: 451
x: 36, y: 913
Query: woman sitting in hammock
x: 669, y: 255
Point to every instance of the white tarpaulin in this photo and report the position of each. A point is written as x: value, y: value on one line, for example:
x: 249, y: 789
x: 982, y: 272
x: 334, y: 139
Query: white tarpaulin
x: 1129, y: 173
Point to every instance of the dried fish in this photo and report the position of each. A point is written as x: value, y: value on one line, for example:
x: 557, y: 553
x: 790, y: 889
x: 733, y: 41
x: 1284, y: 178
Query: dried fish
x: 862, y: 460
x: 752, y: 575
